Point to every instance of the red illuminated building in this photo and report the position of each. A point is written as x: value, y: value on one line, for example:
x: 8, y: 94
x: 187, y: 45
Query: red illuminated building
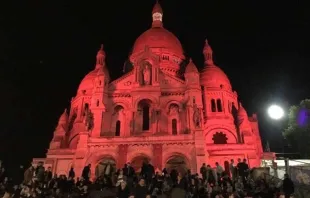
x: 156, y: 112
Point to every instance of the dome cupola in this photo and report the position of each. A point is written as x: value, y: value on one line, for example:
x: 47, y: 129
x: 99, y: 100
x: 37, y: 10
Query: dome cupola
x: 87, y: 83
x: 158, y: 39
x: 211, y: 75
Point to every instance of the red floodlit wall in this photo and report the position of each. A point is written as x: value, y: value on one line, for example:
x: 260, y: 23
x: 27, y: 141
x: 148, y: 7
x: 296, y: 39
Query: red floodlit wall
x: 154, y: 113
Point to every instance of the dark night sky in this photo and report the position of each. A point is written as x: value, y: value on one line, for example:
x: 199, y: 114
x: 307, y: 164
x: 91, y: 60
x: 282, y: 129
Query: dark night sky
x: 46, y: 48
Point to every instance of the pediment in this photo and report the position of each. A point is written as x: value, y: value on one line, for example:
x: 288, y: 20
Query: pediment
x: 125, y: 82
x: 167, y: 81
x: 147, y: 54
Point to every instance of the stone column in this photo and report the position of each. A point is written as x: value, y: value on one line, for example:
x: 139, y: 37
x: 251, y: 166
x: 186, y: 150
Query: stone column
x: 157, y: 156
x: 122, y: 155
x: 97, y: 116
x: 80, y: 153
x: 200, y: 150
x: 132, y: 123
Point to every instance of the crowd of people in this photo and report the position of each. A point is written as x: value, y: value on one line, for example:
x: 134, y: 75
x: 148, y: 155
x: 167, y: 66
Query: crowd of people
x: 36, y: 181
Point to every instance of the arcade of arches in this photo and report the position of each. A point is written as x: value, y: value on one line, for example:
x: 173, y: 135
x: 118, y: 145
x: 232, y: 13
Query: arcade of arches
x: 108, y: 166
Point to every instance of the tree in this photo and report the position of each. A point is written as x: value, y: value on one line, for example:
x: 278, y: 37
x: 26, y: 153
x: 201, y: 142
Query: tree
x: 297, y: 131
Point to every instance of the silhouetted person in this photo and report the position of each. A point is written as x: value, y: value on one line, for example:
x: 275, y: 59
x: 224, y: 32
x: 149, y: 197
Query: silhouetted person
x: 129, y: 172
x: 150, y: 172
x: 288, y: 186
x: 203, y: 172
x: 140, y: 191
x: 71, y: 173
x: 86, y: 172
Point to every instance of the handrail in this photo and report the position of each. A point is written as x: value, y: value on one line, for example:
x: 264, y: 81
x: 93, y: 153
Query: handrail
x: 301, y: 162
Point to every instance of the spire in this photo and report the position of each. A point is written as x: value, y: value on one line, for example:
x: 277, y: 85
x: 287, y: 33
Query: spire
x: 64, y: 117
x: 157, y: 15
x: 208, y: 54
x: 100, y: 62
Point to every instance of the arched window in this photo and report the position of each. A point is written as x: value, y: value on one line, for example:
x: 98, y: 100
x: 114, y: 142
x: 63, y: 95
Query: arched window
x: 118, y: 128
x: 97, y: 103
x: 213, y: 105
x: 219, y: 105
x: 219, y: 138
x: 174, y: 127
x: 146, y: 117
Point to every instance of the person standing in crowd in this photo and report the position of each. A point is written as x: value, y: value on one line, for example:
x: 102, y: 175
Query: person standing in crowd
x: 287, y: 186
x: 141, y: 190
x: 246, y: 169
x: 123, y: 191
x: 211, y: 175
x: 232, y: 170
x: 203, y: 172
x: 150, y: 173
x: 219, y: 171
x: 160, y: 186
x: 71, y: 173
x: 28, y: 175
x: 48, y: 175
x: 129, y: 172
x: 243, y: 169
x: 86, y: 172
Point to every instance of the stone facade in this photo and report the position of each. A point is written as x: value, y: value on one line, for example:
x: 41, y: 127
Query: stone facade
x: 156, y: 112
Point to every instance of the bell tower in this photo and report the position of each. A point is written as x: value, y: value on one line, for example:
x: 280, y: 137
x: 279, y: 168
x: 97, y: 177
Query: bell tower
x: 99, y: 96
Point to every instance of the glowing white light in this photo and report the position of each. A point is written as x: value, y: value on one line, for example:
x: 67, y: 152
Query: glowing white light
x: 275, y: 112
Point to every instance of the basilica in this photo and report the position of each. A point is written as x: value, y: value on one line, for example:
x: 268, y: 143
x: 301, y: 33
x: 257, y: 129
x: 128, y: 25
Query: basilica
x: 156, y: 112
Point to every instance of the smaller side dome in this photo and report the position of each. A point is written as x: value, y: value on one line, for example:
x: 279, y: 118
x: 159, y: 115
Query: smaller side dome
x: 87, y: 83
x: 211, y: 75
x: 191, y: 67
x: 103, y: 71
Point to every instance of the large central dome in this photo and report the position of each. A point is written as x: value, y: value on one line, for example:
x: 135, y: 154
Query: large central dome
x: 158, y: 37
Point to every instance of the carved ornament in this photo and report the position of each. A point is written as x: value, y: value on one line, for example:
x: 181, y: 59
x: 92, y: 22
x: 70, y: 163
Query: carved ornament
x: 127, y: 83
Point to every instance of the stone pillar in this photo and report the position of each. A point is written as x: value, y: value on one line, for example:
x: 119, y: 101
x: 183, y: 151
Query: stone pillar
x: 81, y: 152
x: 200, y: 150
x: 97, y: 116
x: 132, y: 123
x: 122, y: 155
x: 157, y: 156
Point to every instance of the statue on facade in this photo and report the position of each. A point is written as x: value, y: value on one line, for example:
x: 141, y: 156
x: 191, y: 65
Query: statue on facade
x: 196, y: 116
x: 147, y: 74
x: 72, y: 119
x: 89, y: 120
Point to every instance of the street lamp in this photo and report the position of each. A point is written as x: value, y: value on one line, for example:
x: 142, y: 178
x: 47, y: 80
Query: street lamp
x: 275, y: 112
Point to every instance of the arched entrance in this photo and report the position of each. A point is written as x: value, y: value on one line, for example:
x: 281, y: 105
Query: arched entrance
x: 177, y: 162
x: 106, y: 167
x: 137, y: 162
